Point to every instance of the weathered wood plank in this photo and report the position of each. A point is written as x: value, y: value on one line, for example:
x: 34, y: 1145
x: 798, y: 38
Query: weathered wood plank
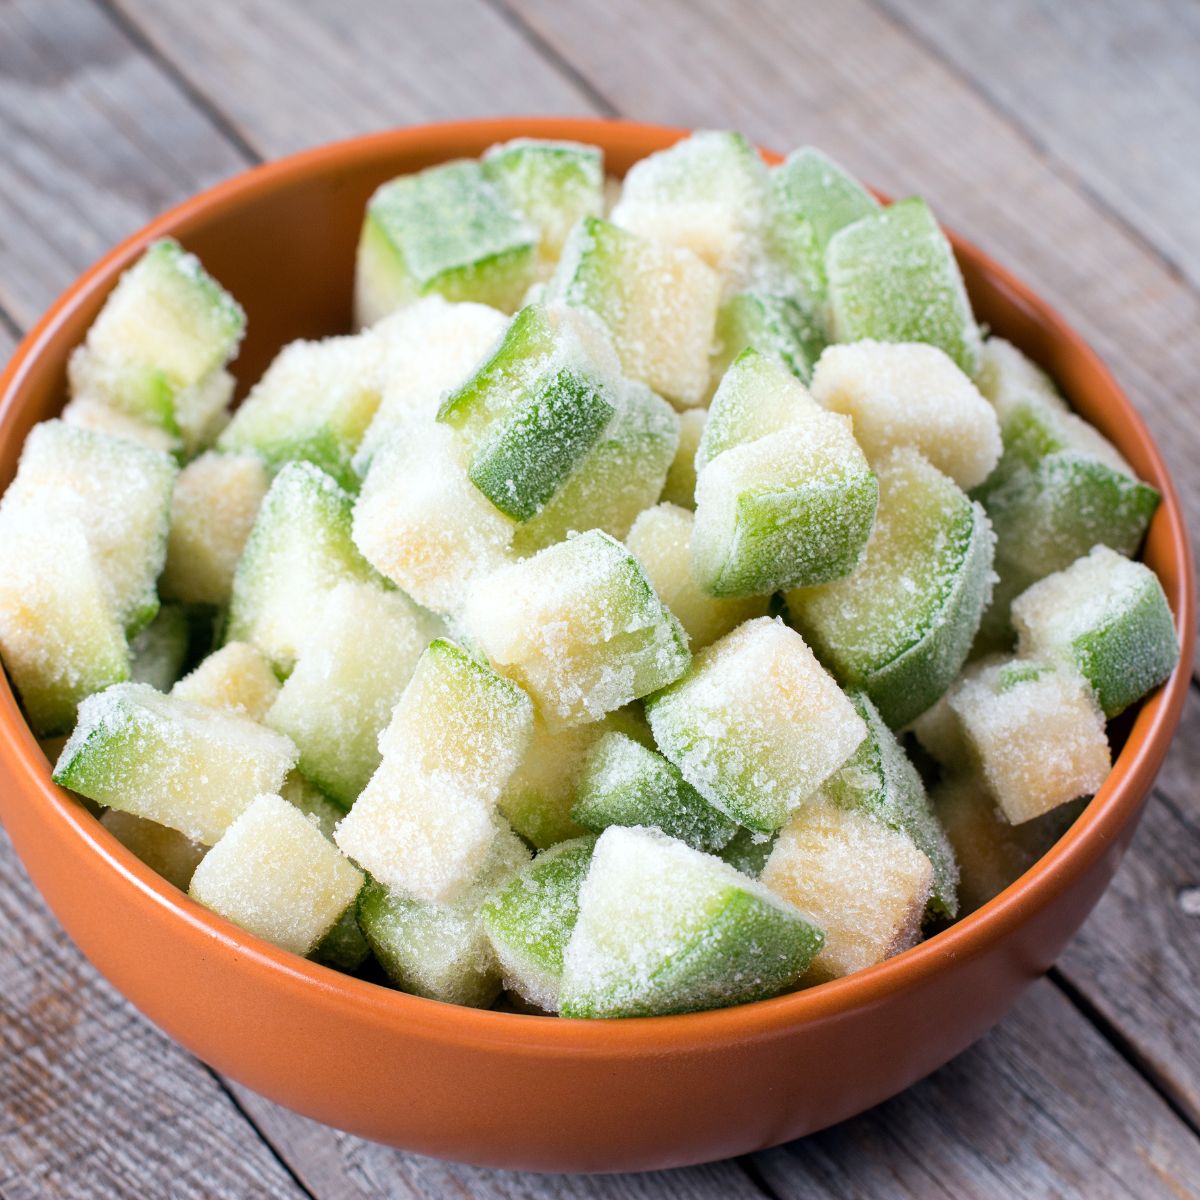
x: 96, y: 140
x: 1041, y: 1107
x: 1110, y: 89
x: 850, y: 79
x: 1137, y: 959
x: 290, y: 76
x: 333, y: 1164
x: 93, y: 1100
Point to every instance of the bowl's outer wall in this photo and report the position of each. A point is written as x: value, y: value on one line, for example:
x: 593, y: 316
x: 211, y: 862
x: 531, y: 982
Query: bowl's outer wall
x: 502, y: 1089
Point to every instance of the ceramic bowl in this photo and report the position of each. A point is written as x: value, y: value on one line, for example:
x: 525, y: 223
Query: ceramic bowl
x: 500, y: 1088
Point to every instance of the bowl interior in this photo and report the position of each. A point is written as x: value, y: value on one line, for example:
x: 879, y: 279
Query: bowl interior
x: 282, y: 239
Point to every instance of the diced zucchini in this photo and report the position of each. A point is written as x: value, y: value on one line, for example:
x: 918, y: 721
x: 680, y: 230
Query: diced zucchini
x: 298, y: 551
x: 757, y: 725
x: 445, y: 230
x: 893, y: 277
x: 579, y: 627
x: 118, y: 491
x: 238, y: 677
x: 530, y: 920
x: 185, y: 765
x: 658, y: 301
x: 901, y: 624
x: 680, y: 486
x: 782, y: 326
x: 314, y: 403
x: 164, y: 850
x: 164, y: 334
x: 159, y: 651
x: 663, y: 928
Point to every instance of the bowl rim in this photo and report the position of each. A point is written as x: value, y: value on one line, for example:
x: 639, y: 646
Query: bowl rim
x: 1088, y: 839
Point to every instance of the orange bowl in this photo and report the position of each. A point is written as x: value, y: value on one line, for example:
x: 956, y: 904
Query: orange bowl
x: 499, y: 1088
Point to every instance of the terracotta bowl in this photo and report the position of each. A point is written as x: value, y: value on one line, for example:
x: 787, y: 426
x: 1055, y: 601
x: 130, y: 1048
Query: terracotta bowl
x: 497, y: 1088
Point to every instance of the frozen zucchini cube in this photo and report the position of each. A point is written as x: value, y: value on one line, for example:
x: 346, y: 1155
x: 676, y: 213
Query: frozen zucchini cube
x: 794, y: 507
x: 216, y: 498
x: 1108, y: 616
x: 238, y: 677
x: 118, y: 491
x: 661, y: 540
x: 424, y: 351
x: 445, y: 230
x: 314, y: 403
x: 781, y: 326
x: 158, y: 348
x: 990, y: 852
x: 864, y: 883
x: 352, y: 669
x: 298, y: 551
x: 1006, y: 377
x: 323, y: 812
x: 893, y: 277
x: 901, y: 624
x: 163, y: 849
x: 880, y: 782
x: 530, y: 920
x: 532, y: 412
x: 277, y: 876
x: 622, y: 474
x: 939, y: 732
x: 757, y: 725
x: 658, y: 301
x: 552, y: 184
x: 1036, y: 732
x: 88, y: 412
x: 680, y: 485
x: 426, y: 821
x: 158, y: 653
x: 1060, y: 489
x: 756, y: 397
x: 911, y: 394
x: 60, y: 637
x: 663, y: 928
x: 626, y: 783
x: 538, y: 797
x: 442, y: 951
x: 708, y: 194
x: 421, y: 522
x: 579, y: 626
x: 812, y: 197
x: 181, y: 764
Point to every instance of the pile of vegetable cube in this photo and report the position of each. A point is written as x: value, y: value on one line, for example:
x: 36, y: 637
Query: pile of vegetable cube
x: 668, y: 598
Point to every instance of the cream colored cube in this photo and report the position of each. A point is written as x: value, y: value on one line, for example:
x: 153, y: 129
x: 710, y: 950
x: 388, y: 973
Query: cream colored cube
x: 275, y: 874
x: 238, y: 677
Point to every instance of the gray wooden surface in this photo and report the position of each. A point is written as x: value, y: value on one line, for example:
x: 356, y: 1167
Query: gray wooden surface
x: 1062, y: 138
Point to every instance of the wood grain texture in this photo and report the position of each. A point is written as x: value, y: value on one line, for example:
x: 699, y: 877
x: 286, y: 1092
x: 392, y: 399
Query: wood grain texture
x: 850, y: 79
x: 289, y: 76
x: 1042, y: 1107
x: 93, y: 1100
x: 96, y: 141
x: 1110, y: 89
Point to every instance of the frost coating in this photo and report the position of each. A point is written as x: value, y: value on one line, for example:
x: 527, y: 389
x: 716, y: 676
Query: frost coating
x: 531, y: 919
x: 426, y: 822
x: 442, y: 951
x: 1006, y: 376
x: 1036, y: 733
x: 665, y: 929
x: 893, y: 277
x: 1109, y: 617
x: 901, y: 624
x: 237, y: 677
x: 659, y: 303
x: 757, y: 725
x: 185, y: 765
x: 911, y: 395
x: 661, y: 540
x: 579, y: 627
x: 215, y: 502
x: 865, y: 884
x: 274, y: 874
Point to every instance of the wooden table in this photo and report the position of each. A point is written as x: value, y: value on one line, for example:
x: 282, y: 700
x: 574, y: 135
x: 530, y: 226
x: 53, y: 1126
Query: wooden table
x: 1062, y: 138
